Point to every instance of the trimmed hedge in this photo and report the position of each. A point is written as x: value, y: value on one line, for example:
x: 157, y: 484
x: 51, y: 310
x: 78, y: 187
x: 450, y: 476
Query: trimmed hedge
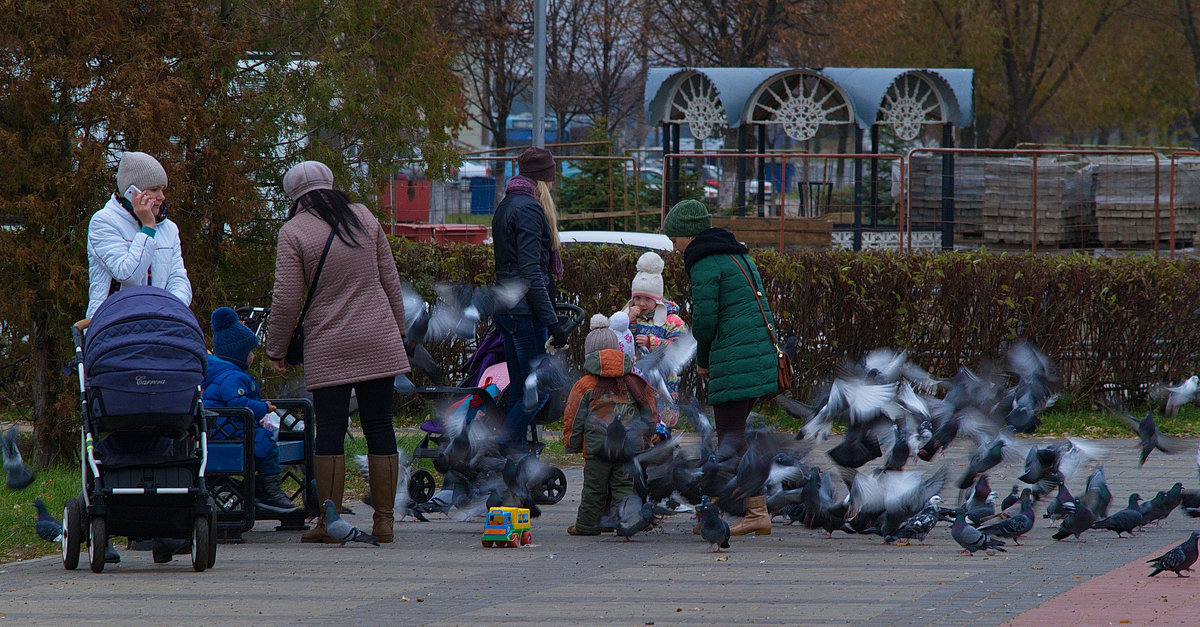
x: 1110, y: 324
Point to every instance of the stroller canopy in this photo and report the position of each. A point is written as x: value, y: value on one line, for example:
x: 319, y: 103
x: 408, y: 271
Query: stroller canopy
x: 144, y: 354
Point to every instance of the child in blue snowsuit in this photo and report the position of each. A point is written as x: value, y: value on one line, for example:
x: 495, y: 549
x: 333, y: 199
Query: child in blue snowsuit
x: 228, y: 384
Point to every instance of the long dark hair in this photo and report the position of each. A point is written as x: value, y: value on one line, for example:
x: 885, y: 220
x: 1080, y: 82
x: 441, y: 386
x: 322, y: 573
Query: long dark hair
x: 333, y: 206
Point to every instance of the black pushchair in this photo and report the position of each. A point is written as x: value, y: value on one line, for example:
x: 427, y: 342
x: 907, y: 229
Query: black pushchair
x: 143, y: 442
x: 481, y: 390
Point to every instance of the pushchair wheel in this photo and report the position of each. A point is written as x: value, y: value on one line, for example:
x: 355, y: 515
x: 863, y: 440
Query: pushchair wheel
x: 97, y: 543
x: 421, y: 486
x: 72, y: 534
x: 201, y: 544
x: 552, y: 489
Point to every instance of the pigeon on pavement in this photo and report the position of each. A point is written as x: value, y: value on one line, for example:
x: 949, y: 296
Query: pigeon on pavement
x: 19, y: 475
x: 713, y: 528
x: 972, y: 539
x: 1075, y: 523
x: 342, y: 531
x: 1177, y: 559
x: 1014, y: 527
x: 1124, y: 521
x: 921, y: 523
x: 633, y: 515
x: 48, y: 527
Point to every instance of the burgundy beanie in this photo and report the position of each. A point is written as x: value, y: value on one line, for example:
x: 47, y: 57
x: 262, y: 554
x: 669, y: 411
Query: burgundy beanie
x: 537, y: 164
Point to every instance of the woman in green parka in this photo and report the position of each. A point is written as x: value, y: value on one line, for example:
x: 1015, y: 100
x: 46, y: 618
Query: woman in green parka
x: 730, y: 315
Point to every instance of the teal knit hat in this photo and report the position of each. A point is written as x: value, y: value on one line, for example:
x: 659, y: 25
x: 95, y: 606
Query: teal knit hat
x: 686, y: 219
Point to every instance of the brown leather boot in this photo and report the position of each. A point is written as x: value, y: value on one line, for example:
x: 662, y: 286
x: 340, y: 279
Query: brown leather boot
x: 330, y: 475
x: 696, y: 529
x: 383, y: 472
x: 756, y: 520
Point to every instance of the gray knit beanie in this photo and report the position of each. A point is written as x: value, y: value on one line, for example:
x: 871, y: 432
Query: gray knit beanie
x: 600, y: 336
x: 306, y: 176
x: 139, y: 168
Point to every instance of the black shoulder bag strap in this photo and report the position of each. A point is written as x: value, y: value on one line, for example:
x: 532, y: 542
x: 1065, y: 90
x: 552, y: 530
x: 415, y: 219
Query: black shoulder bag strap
x: 316, y: 276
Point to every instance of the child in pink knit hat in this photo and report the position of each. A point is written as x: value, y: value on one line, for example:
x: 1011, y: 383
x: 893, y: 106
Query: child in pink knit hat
x: 654, y: 320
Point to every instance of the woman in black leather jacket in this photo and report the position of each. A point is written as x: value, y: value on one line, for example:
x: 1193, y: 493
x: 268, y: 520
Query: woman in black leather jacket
x: 525, y: 239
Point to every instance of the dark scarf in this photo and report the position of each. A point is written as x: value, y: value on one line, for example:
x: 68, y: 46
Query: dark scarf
x: 713, y: 241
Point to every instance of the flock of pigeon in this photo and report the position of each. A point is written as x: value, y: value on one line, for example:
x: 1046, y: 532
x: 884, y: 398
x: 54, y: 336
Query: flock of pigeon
x: 889, y: 411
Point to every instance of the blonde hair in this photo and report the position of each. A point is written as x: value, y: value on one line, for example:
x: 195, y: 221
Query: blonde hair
x: 550, y: 210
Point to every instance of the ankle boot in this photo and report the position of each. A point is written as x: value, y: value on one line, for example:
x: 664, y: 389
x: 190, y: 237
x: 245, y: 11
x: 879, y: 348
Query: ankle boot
x: 330, y: 471
x: 383, y: 472
x: 696, y: 529
x: 269, y: 495
x: 756, y: 520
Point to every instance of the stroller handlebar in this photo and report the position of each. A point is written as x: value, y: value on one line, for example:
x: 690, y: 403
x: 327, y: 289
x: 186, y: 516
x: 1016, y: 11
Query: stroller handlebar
x: 573, y: 315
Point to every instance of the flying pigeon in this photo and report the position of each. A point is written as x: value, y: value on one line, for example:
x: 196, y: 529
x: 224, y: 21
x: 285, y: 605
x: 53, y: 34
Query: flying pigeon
x: 342, y: 531
x: 48, y: 527
x: 664, y: 363
x: 1149, y: 437
x: 19, y: 475
x: 1097, y: 496
x: 987, y: 457
x: 1177, y: 559
x: 547, y: 373
x: 1182, y: 394
x: 972, y: 539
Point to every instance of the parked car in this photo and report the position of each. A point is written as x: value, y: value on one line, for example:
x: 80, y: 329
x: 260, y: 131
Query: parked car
x: 646, y: 241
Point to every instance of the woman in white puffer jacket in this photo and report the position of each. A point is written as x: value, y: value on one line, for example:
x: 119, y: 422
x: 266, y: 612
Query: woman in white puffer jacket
x: 131, y: 241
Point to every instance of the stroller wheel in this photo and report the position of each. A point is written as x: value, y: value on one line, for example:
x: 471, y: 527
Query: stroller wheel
x: 200, y: 543
x: 421, y: 486
x: 553, y: 489
x: 72, y: 534
x: 97, y: 543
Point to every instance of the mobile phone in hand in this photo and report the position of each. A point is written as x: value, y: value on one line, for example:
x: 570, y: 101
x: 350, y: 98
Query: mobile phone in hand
x: 130, y: 191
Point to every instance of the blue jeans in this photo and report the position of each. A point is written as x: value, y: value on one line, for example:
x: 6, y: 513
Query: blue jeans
x: 524, y: 340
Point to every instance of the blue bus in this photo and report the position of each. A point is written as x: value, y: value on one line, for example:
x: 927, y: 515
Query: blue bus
x: 519, y: 129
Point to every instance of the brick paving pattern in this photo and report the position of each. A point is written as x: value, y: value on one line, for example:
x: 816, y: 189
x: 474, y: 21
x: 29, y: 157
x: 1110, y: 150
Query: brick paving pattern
x: 437, y: 573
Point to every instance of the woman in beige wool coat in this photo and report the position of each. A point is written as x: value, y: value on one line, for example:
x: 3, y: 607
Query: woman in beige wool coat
x: 353, y: 332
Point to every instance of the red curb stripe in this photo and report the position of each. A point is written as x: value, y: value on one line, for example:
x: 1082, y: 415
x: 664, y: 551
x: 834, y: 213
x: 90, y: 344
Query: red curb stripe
x: 1126, y: 595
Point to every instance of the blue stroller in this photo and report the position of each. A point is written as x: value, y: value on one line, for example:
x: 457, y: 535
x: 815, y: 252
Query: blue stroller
x: 143, y: 442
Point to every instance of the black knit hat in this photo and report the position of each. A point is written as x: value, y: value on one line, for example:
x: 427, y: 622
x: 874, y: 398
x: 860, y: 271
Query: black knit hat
x: 537, y: 164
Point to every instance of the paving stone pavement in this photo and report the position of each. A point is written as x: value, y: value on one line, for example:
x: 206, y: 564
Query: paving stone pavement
x: 438, y: 573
